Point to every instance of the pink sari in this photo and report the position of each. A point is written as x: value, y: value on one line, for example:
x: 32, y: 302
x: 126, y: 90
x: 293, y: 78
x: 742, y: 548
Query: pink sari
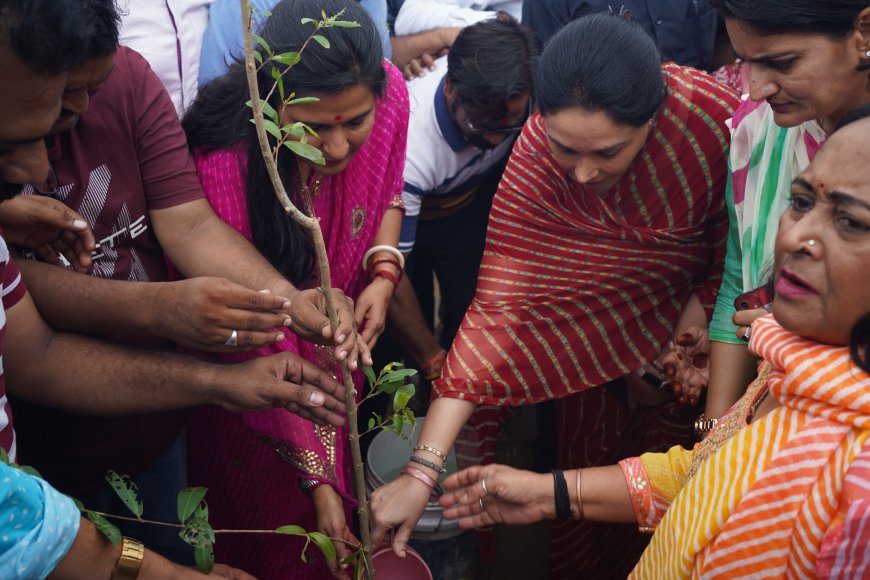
x: 251, y: 462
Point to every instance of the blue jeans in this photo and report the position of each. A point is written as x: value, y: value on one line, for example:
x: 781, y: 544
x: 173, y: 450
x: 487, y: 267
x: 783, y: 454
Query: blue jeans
x: 158, y: 486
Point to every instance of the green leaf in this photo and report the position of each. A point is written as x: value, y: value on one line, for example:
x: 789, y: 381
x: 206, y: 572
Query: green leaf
x: 31, y: 471
x: 369, y: 372
x: 303, y: 101
x: 388, y: 368
x: 389, y: 387
x: 105, y: 527
x: 268, y: 110
x: 344, y: 24
x: 125, y: 488
x: 306, y: 151
x: 79, y: 505
x: 197, y: 532
x: 402, y: 396
x: 400, y: 374
x: 4, y: 457
x: 325, y: 544
x: 201, y: 511
x: 188, y: 501
x: 287, y: 58
x: 292, y: 530
x: 371, y: 423
x: 398, y: 423
x: 262, y: 42
x: 204, y: 557
x: 321, y: 40
x: 272, y: 128
x: 258, y: 57
x: 307, y: 20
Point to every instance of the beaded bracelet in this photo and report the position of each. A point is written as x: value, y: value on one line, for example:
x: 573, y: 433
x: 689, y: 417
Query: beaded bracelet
x: 430, y: 464
x: 431, y: 450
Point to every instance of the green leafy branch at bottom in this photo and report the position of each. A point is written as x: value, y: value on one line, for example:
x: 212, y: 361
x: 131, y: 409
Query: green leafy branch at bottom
x: 193, y: 525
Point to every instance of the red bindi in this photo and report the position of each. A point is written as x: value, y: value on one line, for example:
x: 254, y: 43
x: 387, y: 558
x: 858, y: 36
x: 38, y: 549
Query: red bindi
x: 337, y: 118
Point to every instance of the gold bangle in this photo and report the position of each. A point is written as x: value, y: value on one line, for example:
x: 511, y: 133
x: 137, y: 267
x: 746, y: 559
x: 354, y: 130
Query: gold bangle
x: 431, y: 450
x: 580, y: 515
x: 130, y: 562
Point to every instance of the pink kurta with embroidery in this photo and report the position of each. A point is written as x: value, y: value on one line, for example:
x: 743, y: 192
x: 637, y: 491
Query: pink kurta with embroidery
x: 250, y: 462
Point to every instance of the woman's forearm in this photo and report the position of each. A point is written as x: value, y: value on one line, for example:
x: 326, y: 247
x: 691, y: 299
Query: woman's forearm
x: 604, y: 494
x: 732, y: 368
x: 445, y: 419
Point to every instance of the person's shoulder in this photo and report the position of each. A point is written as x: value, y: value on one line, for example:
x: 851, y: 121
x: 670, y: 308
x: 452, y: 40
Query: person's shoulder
x: 699, y: 98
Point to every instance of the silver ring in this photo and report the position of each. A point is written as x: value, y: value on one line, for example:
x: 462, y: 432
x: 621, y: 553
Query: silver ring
x: 482, y: 507
x: 811, y: 243
x: 747, y: 333
x: 483, y: 485
x: 233, y: 340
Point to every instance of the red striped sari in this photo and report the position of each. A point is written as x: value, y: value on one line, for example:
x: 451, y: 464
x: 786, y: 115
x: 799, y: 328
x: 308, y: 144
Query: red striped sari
x: 576, y: 290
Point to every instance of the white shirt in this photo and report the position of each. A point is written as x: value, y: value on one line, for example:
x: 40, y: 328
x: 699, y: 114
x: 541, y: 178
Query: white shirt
x: 440, y: 163
x: 168, y: 33
x: 417, y: 16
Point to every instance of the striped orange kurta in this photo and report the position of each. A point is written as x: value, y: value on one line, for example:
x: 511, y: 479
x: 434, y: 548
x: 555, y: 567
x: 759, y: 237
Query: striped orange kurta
x: 788, y: 496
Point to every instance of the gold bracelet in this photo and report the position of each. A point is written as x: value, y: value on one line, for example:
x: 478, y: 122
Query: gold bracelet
x: 431, y: 450
x: 580, y: 515
x: 130, y: 562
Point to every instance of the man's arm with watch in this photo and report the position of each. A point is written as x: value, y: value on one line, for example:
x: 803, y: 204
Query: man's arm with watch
x: 93, y: 556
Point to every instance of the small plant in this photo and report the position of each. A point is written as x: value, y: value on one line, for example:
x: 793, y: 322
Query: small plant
x: 267, y: 121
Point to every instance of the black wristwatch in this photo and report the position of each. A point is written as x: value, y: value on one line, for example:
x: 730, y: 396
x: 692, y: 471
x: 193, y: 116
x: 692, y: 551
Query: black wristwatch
x: 653, y: 379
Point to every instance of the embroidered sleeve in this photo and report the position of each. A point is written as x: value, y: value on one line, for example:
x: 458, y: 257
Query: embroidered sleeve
x: 397, y: 203
x: 654, y: 480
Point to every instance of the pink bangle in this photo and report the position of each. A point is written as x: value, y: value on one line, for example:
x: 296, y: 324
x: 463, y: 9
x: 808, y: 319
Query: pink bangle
x: 416, y: 473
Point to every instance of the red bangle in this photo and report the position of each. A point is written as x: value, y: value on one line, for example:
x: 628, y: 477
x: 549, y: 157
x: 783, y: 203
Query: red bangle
x: 416, y: 473
x: 371, y: 268
x: 386, y: 274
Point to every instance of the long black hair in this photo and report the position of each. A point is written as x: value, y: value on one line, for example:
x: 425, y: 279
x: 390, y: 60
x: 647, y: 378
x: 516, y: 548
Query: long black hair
x: 601, y: 62
x: 219, y: 118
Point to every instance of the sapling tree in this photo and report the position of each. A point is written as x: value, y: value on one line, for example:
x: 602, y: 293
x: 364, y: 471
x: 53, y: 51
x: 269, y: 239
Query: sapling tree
x: 293, y: 136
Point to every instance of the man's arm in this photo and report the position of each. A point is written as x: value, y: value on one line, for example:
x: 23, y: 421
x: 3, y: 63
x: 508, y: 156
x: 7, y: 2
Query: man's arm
x: 417, y: 16
x: 93, y: 556
x: 198, y: 313
x: 407, y: 49
x: 199, y: 243
x: 88, y: 376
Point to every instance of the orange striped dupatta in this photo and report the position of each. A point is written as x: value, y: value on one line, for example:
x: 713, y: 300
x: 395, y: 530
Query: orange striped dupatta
x: 789, y: 496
